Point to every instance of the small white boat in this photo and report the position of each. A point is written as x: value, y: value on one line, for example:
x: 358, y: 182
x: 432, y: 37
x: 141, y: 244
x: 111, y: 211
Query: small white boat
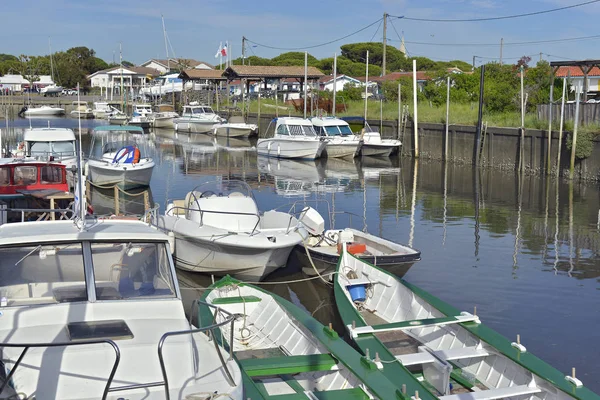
x: 373, y: 145
x: 197, y: 119
x: 235, y: 127
x: 101, y: 110
x: 81, y: 110
x: 341, y: 142
x: 454, y: 355
x: 142, y: 110
x: 291, y: 137
x: 116, y: 159
x: 51, y: 90
x: 164, y: 117
x: 93, y: 310
x: 41, y: 111
x: 219, y: 230
x: 142, y: 122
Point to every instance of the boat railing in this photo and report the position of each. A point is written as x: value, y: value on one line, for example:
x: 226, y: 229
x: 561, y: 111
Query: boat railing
x: 187, y: 210
x: 65, y: 213
x: 230, y: 185
x: 350, y: 216
x: 27, y: 346
x: 229, y: 320
x: 52, y: 155
x: 293, y: 209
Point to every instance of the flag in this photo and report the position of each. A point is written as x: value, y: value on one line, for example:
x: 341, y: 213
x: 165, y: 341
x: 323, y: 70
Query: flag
x: 224, y: 50
x: 220, y: 51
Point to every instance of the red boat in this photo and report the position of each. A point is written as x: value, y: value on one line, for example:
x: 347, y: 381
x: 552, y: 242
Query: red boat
x: 18, y: 176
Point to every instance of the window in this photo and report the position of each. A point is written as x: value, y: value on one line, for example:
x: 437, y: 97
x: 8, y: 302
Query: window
x: 4, y: 176
x: 197, y: 110
x: 39, y: 149
x: 131, y: 270
x: 42, y: 274
x: 345, y: 129
x: 332, y: 130
x: 51, y: 174
x: 62, y: 149
x: 282, y: 130
x: 25, y: 175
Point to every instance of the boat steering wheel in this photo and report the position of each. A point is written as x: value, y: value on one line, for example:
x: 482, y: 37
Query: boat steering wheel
x: 206, y: 194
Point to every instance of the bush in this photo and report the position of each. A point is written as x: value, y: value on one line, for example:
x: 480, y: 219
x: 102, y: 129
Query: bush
x: 585, y: 143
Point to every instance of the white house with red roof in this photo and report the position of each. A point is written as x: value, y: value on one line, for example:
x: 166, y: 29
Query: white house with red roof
x: 576, y: 77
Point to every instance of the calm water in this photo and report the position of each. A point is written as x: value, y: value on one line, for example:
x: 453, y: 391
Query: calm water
x: 524, y: 251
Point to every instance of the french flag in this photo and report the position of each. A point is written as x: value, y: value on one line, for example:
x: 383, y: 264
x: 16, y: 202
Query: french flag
x: 224, y: 50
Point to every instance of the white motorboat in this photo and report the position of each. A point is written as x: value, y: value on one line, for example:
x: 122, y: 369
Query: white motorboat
x: 119, y: 157
x: 93, y: 310
x: 51, y: 90
x: 219, y: 230
x: 291, y: 137
x: 197, y: 119
x: 41, y: 111
x: 164, y: 117
x: 142, y: 110
x: 142, y: 122
x: 373, y: 144
x: 341, y: 141
x: 117, y: 117
x: 101, y: 110
x: 165, y: 84
x: 235, y: 127
x: 81, y: 110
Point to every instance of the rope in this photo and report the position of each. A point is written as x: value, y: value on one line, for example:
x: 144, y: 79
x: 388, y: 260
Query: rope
x: 118, y: 188
x: 311, y: 260
x: 289, y: 282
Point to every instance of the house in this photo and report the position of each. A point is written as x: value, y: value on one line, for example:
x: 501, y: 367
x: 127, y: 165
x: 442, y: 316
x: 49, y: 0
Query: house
x: 134, y: 78
x: 326, y: 82
x: 176, y: 64
x: 576, y: 76
x: 17, y: 83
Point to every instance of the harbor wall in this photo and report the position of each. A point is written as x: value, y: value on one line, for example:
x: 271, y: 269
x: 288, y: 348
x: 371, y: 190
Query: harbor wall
x: 500, y: 147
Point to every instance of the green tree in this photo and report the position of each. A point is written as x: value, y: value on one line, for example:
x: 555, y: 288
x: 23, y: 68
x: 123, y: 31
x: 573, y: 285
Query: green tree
x: 293, y: 58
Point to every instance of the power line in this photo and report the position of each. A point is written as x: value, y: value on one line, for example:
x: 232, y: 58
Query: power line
x: 507, y: 43
x: 317, y: 45
x: 378, y: 26
x: 497, y: 18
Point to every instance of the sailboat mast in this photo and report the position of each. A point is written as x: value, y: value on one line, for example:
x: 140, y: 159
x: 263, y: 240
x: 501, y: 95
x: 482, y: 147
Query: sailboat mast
x: 121, y: 67
x: 166, y: 47
x: 51, y: 62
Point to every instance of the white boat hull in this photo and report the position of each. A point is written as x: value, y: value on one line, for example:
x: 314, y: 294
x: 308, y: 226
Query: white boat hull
x: 192, y: 126
x: 44, y: 111
x: 291, y: 148
x: 82, y: 114
x: 376, y: 150
x: 166, y: 122
x: 343, y: 149
x: 125, y: 176
x: 234, y: 130
x: 213, y: 251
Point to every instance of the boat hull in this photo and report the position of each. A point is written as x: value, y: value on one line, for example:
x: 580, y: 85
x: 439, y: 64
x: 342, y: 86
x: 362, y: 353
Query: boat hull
x: 82, y: 114
x: 125, y: 176
x: 191, y: 126
x: 43, y: 112
x: 341, y: 149
x: 209, y: 250
x: 233, y: 131
x: 163, y: 122
x: 377, y: 150
x: 293, y: 148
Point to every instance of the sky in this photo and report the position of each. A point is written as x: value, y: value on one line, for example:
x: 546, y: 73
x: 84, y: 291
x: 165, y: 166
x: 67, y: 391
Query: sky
x: 196, y: 28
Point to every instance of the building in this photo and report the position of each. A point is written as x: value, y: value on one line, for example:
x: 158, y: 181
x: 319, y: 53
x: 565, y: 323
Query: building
x: 163, y: 66
x: 576, y: 78
x: 134, y: 78
x: 326, y: 82
x: 17, y: 83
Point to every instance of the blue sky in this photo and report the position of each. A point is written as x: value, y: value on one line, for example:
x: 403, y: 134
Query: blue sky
x: 195, y: 28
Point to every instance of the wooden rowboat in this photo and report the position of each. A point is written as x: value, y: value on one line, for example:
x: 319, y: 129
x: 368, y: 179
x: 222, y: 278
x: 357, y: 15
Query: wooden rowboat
x: 452, y: 353
x: 284, y: 353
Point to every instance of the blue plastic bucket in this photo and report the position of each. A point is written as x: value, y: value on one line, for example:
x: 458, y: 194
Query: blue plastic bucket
x: 357, y: 292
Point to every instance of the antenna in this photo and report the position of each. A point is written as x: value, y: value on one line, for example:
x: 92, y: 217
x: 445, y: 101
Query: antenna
x: 166, y: 47
x: 80, y: 191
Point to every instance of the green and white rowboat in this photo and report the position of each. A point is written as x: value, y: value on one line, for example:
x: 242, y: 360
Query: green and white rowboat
x: 285, y: 354
x: 451, y: 354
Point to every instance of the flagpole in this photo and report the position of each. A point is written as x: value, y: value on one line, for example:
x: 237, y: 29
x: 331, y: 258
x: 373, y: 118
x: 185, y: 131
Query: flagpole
x: 221, y: 55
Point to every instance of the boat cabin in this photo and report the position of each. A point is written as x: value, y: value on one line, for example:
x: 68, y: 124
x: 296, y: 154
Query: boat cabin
x: 191, y: 110
x: 118, y: 144
x: 142, y: 110
x: 50, y: 144
x: 290, y: 126
x: 331, y: 126
x: 24, y: 175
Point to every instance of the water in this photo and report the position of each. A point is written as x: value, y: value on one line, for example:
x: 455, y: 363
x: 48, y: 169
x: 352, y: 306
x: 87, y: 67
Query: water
x: 524, y: 251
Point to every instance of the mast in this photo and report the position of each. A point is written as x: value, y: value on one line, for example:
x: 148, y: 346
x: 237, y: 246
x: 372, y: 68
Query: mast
x: 121, y: 67
x: 166, y: 47
x: 51, y: 62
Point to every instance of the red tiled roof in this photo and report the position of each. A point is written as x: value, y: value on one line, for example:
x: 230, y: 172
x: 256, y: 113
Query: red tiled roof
x: 563, y: 72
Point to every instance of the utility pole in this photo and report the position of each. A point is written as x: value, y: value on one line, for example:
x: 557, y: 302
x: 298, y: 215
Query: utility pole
x: 243, y: 50
x: 540, y: 56
x: 383, y: 62
x: 474, y: 63
x: 501, y: 48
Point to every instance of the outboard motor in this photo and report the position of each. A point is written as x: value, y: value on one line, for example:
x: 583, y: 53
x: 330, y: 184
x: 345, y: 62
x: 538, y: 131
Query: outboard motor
x: 312, y: 221
x: 21, y: 113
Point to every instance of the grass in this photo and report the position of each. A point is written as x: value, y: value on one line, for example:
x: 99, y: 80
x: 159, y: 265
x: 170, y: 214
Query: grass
x: 460, y: 114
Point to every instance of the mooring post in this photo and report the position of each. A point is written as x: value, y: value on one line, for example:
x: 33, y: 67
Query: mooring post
x: 574, y: 141
x: 415, y: 119
x: 479, y: 115
x: 447, y: 119
x: 560, y: 128
x: 549, y: 167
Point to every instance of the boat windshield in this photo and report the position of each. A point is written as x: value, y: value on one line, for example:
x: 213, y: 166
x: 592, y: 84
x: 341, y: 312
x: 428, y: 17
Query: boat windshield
x: 42, y: 274
x: 332, y: 130
x: 131, y: 270
x: 208, y: 110
x: 301, y: 130
x: 345, y: 130
x: 56, y: 149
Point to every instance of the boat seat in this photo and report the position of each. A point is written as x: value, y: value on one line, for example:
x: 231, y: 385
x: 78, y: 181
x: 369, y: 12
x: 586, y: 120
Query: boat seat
x: 234, y: 214
x: 179, y: 207
x: 447, y: 355
x: 237, y: 299
x: 256, y: 367
x: 501, y: 393
x: 413, y: 324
